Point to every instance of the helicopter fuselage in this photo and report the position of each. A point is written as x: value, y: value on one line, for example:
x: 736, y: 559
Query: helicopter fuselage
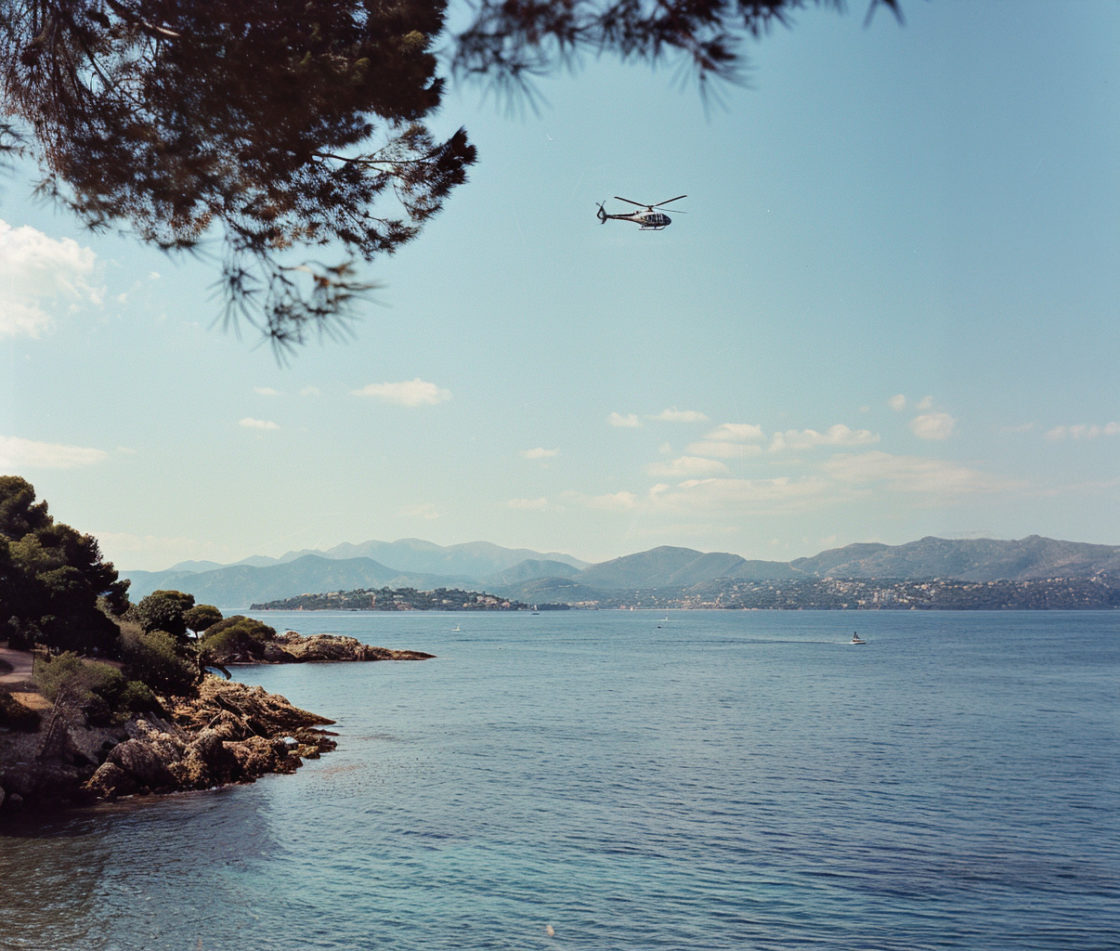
x: 646, y: 220
x: 650, y: 221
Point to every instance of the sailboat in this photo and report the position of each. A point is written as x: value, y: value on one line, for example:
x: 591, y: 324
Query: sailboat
x: 856, y: 639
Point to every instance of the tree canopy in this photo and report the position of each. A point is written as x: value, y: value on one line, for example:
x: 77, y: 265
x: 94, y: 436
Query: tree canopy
x: 164, y: 611
x: 284, y: 126
x: 53, y: 581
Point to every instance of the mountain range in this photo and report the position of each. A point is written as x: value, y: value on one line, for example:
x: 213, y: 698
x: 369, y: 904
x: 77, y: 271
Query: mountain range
x: 534, y: 577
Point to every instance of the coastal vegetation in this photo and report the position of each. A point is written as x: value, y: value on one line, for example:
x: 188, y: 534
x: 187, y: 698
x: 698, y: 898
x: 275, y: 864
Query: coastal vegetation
x: 394, y: 599
x: 111, y: 698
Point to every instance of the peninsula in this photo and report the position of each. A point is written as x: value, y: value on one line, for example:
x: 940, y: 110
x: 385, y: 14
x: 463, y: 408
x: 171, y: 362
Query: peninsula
x: 102, y: 698
x: 62, y: 743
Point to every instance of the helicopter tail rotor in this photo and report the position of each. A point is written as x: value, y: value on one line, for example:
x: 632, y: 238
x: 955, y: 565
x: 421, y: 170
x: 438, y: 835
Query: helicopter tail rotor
x: 601, y: 215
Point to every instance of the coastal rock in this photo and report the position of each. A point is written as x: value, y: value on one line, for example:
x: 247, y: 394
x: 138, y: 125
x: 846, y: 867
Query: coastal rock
x: 207, y: 762
x: 273, y: 653
x: 335, y: 647
x: 228, y: 733
x: 294, y: 648
x: 249, y: 709
x: 110, y: 782
x: 37, y: 782
x: 149, y: 764
x: 258, y: 756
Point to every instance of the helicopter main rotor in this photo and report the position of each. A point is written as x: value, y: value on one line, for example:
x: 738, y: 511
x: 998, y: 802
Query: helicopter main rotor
x: 642, y: 204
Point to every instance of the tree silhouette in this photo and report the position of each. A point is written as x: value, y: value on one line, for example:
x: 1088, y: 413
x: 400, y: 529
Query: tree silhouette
x: 53, y: 580
x: 282, y: 126
x: 509, y: 43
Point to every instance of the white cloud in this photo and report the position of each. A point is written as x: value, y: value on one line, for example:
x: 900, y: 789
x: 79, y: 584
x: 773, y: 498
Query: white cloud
x: 687, y: 467
x: 897, y: 402
x: 425, y: 510
x: 624, y: 421
x: 718, y: 449
x: 528, y: 505
x: 729, y: 441
x: 838, y: 435
x: 933, y: 426
x: 675, y: 415
x: 410, y: 393
x: 37, y: 275
x: 736, y: 432
x: 717, y: 498
x: 265, y: 391
x: 310, y: 391
x: 16, y: 454
x: 1083, y: 431
x: 539, y: 453
x: 739, y: 496
x: 249, y: 423
x: 932, y: 477
x: 925, y: 402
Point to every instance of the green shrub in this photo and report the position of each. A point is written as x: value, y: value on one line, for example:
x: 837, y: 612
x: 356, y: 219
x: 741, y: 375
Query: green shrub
x: 56, y: 675
x: 154, y: 658
x: 236, y: 636
x: 137, y: 697
x: 95, y: 687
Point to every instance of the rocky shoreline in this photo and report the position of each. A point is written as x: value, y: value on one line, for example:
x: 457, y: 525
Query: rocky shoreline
x: 293, y: 648
x: 228, y: 733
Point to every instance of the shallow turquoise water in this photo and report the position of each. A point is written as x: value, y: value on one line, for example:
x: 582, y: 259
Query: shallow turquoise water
x: 716, y: 780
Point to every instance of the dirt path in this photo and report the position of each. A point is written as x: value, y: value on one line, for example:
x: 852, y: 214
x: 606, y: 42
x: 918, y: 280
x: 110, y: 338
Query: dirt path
x: 21, y: 666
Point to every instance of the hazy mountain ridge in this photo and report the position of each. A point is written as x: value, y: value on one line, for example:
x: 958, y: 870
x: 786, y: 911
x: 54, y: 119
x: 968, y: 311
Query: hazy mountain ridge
x: 1026, y: 559
x: 241, y: 584
x: 535, y: 577
x: 469, y: 559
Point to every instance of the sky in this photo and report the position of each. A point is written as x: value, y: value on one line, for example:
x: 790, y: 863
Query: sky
x: 889, y: 310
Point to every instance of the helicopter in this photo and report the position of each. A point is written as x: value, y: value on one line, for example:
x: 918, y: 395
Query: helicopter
x: 647, y: 219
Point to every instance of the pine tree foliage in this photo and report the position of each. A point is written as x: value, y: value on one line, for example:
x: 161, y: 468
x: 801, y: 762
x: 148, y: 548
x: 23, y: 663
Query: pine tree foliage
x: 54, y: 584
x: 278, y: 125
x: 278, y: 128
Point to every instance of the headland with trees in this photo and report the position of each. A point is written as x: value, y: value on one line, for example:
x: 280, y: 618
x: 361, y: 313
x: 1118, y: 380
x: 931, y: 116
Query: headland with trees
x: 102, y: 698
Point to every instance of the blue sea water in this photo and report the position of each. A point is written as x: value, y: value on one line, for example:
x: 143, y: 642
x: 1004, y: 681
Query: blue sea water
x: 635, y: 780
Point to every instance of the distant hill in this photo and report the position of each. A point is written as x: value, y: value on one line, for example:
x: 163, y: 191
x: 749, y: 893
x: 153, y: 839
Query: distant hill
x: 674, y: 567
x: 470, y: 559
x: 532, y: 569
x: 237, y: 586
x: 415, y: 563
x: 534, y: 577
x: 984, y: 559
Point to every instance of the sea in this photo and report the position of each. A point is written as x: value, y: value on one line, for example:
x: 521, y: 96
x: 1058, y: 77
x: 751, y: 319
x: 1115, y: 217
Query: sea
x: 634, y: 781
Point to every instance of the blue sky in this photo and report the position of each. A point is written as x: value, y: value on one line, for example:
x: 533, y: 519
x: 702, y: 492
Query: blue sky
x: 890, y: 311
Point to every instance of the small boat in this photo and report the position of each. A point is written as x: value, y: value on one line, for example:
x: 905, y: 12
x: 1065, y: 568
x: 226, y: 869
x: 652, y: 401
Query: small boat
x: 856, y: 639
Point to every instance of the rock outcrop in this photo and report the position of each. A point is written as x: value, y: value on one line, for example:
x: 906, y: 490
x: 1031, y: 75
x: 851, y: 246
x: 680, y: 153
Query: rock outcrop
x: 293, y: 648
x: 334, y: 647
x: 229, y: 733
